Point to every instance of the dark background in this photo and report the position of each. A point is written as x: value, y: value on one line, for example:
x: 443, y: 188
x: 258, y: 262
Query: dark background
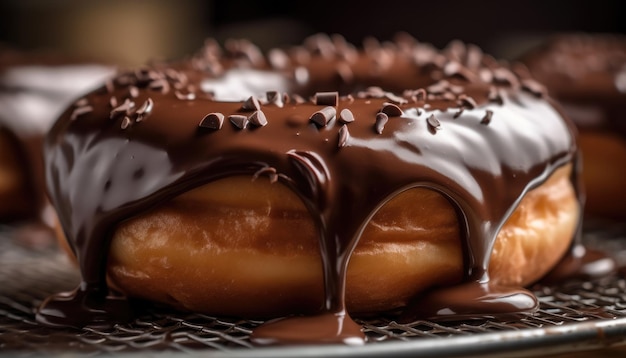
x: 132, y: 32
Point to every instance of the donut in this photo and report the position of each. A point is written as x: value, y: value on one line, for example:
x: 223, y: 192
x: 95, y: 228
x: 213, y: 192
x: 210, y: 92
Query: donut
x: 587, y: 74
x: 34, y: 89
x: 436, y: 182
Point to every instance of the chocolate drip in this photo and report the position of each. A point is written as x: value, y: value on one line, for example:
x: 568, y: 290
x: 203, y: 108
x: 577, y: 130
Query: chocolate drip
x: 99, y: 175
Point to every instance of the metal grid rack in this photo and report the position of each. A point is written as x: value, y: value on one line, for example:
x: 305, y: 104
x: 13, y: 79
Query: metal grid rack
x: 573, y: 315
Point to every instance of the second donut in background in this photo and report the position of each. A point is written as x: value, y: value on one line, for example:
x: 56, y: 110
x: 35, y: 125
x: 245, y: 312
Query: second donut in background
x: 586, y: 73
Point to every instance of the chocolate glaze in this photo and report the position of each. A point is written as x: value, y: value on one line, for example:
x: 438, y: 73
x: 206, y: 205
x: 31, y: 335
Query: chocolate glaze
x: 103, y: 166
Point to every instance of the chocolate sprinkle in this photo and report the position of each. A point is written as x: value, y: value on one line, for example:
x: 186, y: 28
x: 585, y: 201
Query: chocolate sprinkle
x: 381, y: 120
x: 80, y: 111
x: 395, y: 99
x: 458, y: 113
x: 238, y: 121
x: 533, y: 87
x: 433, y: 122
x: 189, y: 96
x: 133, y: 91
x: 346, y: 116
x: 81, y: 102
x: 144, y: 110
x: 467, y: 101
x: 391, y: 110
x: 273, y: 97
x: 251, y: 104
x: 258, y: 119
x: 505, y: 76
x: 323, y: 116
x: 126, y: 122
x: 494, y: 96
x: 124, y: 108
x: 212, y: 121
x: 327, y: 98
x: 420, y: 94
x: 278, y: 59
x: 487, y: 118
x: 343, y: 136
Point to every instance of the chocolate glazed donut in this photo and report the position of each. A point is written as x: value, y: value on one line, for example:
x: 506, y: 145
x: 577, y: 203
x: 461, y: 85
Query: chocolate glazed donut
x: 467, y: 128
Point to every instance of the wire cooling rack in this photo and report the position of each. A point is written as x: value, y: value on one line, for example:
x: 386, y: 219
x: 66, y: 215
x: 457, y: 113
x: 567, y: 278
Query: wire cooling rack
x: 574, y: 315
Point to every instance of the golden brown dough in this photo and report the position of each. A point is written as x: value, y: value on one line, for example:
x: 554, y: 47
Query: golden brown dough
x: 247, y: 248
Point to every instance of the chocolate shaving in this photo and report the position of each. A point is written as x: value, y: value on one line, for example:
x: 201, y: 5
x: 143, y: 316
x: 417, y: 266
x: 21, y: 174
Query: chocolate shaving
x: 343, y: 136
x: 381, y: 120
x: 124, y: 108
x: 251, y: 104
x: 455, y: 69
x: 144, y: 110
x: 159, y: 84
x: 433, y: 122
x: 467, y: 101
x: 495, y: 96
x: 258, y: 119
x: 504, y: 76
x: 323, y: 116
x: 391, y: 110
x: 126, y: 122
x: 273, y: 97
x: 420, y: 94
x: 485, y: 75
x: 346, y: 116
x: 189, y: 96
x: 79, y: 111
x: 81, y: 102
x: 395, y: 99
x: 533, y: 87
x: 298, y: 99
x: 456, y: 89
x: 212, y: 121
x: 133, y: 92
x: 458, y: 113
x: 278, y: 59
x: 326, y: 98
x: 375, y: 92
x: 238, y: 121
x: 448, y: 96
x: 487, y: 118
x: 438, y: 87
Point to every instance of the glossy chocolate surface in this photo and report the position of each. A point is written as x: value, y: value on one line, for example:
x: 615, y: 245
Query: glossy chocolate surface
x: 454, y: 121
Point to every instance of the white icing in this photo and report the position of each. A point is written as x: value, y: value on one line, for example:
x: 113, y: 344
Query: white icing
x: 241, y: 84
